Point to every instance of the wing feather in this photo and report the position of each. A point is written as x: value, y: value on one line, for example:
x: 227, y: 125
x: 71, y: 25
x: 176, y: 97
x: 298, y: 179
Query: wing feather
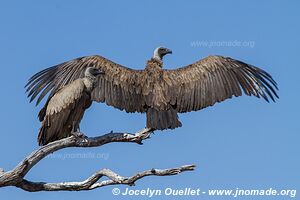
x: 118, y: 87
x: 215, y: 79
x: 66, y: 96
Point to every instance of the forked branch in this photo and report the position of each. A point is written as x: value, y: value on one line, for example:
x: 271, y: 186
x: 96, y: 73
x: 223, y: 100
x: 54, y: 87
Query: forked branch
x: 16, y: 176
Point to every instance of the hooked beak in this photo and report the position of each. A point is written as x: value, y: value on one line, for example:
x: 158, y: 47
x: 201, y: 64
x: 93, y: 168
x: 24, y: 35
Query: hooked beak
x: 99, y: 72
x: 169, y: 51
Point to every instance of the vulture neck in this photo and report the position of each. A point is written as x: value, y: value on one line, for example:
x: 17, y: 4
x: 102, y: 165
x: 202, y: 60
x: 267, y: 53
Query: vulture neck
x: 90, y: 82
x: 156, y: 56
x: 154, y: 63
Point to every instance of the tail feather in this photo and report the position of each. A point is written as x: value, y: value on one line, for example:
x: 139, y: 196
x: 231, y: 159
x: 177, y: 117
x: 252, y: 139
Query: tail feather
x: 162, y: 119
x: 42, y: 140
x: 42, y: 113
x: 52, y: 130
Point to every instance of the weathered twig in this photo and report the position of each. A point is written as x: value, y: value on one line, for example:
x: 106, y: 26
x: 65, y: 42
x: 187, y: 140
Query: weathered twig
x: 16, y: 176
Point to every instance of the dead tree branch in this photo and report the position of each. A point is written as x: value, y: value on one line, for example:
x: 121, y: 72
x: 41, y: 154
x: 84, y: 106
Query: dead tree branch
x: 15, y: 177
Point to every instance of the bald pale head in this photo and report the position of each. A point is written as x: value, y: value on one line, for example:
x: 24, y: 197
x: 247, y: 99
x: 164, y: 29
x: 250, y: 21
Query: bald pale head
x: 160, y: 52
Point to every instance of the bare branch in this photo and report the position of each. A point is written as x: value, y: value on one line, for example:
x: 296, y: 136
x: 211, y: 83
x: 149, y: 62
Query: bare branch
x: 16, y: 176
x: 91, y: 183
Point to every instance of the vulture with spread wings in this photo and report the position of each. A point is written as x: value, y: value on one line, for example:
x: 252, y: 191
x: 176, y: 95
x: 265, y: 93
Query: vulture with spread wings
x: 158, y: 92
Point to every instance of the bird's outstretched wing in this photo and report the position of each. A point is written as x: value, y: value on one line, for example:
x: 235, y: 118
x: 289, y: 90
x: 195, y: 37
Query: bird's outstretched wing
x: 117, y: 87
x: 214, y: 79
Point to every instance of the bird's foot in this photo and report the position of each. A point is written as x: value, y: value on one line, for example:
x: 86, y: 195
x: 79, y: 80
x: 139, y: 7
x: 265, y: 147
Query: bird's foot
x: 79, y: 134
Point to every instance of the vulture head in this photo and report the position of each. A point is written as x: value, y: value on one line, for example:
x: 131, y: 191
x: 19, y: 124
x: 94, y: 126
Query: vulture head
x: 92, y: 72
x: 160, y: 52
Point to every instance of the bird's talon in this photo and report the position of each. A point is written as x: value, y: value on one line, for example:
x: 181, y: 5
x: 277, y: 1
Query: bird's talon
x: 79, y: 134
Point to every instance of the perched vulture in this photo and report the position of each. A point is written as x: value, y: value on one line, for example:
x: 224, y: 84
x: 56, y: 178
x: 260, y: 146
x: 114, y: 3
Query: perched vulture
x: 158, y: 92
x: 64, y: 110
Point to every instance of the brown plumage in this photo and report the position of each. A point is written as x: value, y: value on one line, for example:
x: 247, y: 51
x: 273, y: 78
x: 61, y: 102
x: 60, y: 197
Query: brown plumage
x: 64, y: 110
x: 158, y: 92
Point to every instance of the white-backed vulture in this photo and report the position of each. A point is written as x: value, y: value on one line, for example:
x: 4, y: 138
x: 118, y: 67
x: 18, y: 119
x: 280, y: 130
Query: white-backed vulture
x: 64, y: 110
x: 158, y: 92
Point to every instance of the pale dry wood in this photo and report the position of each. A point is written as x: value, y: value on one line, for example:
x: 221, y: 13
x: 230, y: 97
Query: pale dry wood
x: 92, y: 182
x: 15, y: 177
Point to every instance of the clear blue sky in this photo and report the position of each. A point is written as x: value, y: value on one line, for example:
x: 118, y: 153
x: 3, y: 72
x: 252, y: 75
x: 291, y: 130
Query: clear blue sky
x: 243, y: 142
